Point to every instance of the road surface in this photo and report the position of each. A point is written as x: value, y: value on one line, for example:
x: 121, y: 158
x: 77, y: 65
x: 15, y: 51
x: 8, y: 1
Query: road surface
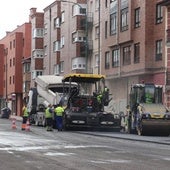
x: 41, y: 150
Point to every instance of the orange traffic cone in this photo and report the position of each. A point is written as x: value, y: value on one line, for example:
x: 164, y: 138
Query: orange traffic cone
x: 27, y: 125
x: 14, y: 124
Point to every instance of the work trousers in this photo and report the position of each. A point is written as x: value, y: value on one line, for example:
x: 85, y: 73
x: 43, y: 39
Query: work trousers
x: 24, y: 121
x: 59, y: 123
x: 49, y: 123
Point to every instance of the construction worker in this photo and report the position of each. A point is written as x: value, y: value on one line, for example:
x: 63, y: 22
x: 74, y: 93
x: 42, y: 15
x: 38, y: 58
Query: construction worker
x: 127, y: 118
x: 59, y: 117
x: 25, y: 116
x: 49, y: 118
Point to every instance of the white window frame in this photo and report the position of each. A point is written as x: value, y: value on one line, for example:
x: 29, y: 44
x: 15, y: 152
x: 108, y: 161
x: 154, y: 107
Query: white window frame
x: 62, y: 16
x: 57, y: 22
x: 38, y: 33
x: 38, y: 53
x: 96, y: 60
x: 36, y: 73
x: 62, y: 42
x: 56, y: 46
x: 62, y: 66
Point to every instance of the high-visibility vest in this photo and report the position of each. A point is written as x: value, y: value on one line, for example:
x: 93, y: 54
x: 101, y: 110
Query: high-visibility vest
x: 48, y: 113
x: 25, y: 112
x: 59, y: 111
x: 99, y: 98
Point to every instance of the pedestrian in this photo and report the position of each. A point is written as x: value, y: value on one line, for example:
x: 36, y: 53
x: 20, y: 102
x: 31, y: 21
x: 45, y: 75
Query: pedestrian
x: 49, y: 118
x: 25, y: 116
x: 59, y: 117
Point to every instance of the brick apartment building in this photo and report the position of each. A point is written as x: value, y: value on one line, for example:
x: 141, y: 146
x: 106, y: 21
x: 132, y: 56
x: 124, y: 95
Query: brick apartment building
x: 37, y: 47
x: 133, y: 46
x: 127, y: 40
x: 14, y: 47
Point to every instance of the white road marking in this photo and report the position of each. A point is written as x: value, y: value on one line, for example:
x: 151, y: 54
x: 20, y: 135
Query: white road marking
x: 110, y: 161
x: 58, y: 154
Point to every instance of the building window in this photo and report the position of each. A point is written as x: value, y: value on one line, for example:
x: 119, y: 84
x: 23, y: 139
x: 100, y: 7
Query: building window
x: 62, y: 66
x: 10, y: 80
x: 26, y: 86
x: 45, y: 29
x: 124, y: 19
x: 45, y: 50
x: 83, y: 11
x: 78, y: 37
x: 115, y: 58
x: 126, y: 55
x: 97, y: 32
x: 106, y: 3
x: 36, y: 73
x: 106, y: 29
x: 96, y: 60
x: 13, y: 79
x: 38, y: 53
x: 13, y: 61
x: 96, y: 4
x: 159, y: 14
x: 107, y: 60
x: 77, y: 10
x: 137, y: 17
x: 38, y: 33
x: 158, y: 50
x: 56, y: 46
x: 62, y: 17
x: 10, y: 45
x: 10, y: 63
x: 13, y: 43
x: 113, y: 24
x: 57, y: 22
x: 56, y: 69
x: 62, y: 42
x: 27, y: 67
x: 78, y: 63
x: 137, y: 53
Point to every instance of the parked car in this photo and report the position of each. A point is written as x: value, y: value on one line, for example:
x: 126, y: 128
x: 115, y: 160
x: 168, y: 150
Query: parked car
x: 5, y: 113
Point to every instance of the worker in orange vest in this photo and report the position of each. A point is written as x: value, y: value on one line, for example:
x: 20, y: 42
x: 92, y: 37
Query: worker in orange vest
x: 25, y: 116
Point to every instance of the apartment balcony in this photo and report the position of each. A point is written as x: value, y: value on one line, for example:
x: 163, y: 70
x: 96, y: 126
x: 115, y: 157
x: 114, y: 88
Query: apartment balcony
x: 89, y: 20
x: 90, y: 45
x: 85, y: 22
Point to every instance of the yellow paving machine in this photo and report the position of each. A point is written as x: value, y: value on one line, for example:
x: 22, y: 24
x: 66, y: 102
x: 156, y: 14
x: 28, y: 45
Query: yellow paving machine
x: 147, y: 114
x: 85, y: 106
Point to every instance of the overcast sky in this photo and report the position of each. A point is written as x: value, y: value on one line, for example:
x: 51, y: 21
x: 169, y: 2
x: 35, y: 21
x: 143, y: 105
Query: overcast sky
x: 16, y: 12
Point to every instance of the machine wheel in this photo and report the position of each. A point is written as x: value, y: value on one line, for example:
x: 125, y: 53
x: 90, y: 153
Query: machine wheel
x: 36, y: 121
x: 65, y: 127
x: 43, y: 122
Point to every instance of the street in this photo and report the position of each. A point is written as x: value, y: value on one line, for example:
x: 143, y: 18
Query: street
x: 80, y: 150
